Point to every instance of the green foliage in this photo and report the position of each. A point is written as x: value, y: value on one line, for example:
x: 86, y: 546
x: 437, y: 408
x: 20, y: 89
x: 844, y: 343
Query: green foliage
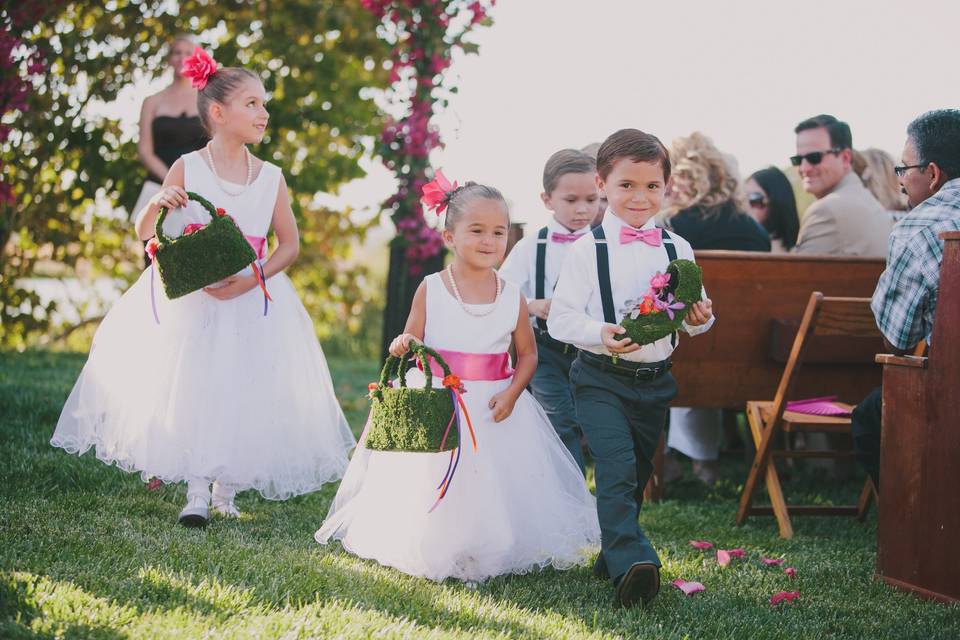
x: 89, y: 553
x: 320, y: 61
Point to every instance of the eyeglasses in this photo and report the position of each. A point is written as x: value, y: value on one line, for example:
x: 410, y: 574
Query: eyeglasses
x: 814, y: 157
x: 902, y: 169
x: 756, y: 200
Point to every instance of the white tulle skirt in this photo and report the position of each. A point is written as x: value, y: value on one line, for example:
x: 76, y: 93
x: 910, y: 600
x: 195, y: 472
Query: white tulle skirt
x: 217, y: 390
x: 518, y: 504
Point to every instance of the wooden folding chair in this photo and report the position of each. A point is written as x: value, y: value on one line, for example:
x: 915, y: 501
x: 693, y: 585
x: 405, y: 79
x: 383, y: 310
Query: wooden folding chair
x: 823, y: 316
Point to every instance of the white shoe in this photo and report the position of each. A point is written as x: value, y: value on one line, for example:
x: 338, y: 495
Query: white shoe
x: 196, y: 513
x: 223, y: 495
x: 226, y: 508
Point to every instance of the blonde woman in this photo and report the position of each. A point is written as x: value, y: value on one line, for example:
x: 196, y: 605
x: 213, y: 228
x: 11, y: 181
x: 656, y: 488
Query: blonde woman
x: 875, y: 168
x: 169, y: 122
x: 704, y: 207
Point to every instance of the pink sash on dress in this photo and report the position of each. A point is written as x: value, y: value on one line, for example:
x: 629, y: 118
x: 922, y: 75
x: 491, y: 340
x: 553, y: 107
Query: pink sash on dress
x: 474, y: 366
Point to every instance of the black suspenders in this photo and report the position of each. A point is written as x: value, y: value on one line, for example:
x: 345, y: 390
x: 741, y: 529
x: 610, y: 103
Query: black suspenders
x: 541, y: 275
x: 603, y: 273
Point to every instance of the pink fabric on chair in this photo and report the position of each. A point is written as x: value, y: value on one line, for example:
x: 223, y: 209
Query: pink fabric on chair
x: 818, y: 407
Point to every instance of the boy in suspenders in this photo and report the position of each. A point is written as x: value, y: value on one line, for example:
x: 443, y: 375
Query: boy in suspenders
x: 622, y: 390
x: 570, y: 192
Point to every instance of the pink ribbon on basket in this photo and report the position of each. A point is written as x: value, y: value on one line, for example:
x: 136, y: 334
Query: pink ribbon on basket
x: 257, y: 243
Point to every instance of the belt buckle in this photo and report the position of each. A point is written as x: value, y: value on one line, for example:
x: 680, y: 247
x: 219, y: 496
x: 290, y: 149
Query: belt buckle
x: 645, y: 374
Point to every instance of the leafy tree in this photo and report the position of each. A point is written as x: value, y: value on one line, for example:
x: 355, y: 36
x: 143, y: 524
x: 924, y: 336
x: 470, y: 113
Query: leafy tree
x: 68, y: 172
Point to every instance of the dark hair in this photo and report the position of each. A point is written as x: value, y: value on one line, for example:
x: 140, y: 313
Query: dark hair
x: 782, y: 220
x: 220, y: 85
x: 563, y: 162
x: 936, y: 137
x: 466, y: 193
x: 635, y: 145
x: 840, y: 136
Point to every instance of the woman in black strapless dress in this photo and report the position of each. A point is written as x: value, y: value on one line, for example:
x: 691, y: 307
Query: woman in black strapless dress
x: 169, y: 125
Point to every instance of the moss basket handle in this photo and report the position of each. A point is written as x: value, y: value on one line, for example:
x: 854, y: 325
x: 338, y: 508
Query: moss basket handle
x: 162, y: 238
x: 416, y: 351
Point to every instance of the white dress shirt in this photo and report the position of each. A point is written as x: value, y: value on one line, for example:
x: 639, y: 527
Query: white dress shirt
x: 520, y: 267
x: 576, y: 313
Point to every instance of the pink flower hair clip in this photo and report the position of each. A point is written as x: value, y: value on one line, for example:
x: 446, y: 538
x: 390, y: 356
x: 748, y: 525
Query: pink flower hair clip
x: 437, y: 192
x: 199, y: 67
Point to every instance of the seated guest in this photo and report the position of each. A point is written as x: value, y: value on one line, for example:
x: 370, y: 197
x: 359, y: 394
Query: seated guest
x: 846, y: 219
x: 875, y: 168
x: 704, y: 208
x: 905, y: 300
x: 773, y: 204
x: 703, y: 204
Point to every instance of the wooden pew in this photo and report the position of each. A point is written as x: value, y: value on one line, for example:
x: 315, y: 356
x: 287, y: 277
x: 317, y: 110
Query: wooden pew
x: 759, y: 299
x: 918, y: 531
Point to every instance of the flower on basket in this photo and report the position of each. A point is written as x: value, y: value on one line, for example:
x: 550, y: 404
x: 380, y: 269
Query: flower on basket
x: 221, y: 212
x: 152, y: 245
x: 453, y: 382
x: 374, y: 386
x: 659, y: 281
x: 669, y: 305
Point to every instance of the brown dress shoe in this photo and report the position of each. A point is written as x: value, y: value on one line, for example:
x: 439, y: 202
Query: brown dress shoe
x: 640, y: 584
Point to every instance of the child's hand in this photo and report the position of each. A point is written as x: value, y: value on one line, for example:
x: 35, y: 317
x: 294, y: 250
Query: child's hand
x: 502, y: 405
x: 172, y: 197
x: 700, y: 313
x: 401, y: 344
x: 539, y: 308
x: 609, y: 338
x: 232, y: 287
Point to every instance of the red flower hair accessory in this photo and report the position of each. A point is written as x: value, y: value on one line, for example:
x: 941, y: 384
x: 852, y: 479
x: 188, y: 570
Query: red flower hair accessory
x: 199, y: 67
x: 437, y: 192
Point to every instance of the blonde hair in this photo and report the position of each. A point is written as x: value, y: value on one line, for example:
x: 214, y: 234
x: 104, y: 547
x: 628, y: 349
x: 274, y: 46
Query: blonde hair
x: 703, y: 176
x: 875, y: 168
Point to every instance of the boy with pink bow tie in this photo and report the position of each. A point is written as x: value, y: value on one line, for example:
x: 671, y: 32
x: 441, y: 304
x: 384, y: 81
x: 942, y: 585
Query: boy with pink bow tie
x: 621, y: 390
x: 570, y: 192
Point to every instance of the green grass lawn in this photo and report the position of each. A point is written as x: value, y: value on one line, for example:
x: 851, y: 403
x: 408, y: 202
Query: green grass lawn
x: 88, y: 552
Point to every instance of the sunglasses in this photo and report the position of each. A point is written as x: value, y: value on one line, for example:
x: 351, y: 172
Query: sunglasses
x: 756, y: 200
x: 902, y: 169
x: 814, y: 157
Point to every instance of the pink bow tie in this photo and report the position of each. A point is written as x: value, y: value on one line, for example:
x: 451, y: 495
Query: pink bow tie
x: 651, y: 237
x: 563, y: 238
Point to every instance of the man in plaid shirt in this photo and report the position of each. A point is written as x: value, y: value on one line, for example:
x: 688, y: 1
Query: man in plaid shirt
x: 906, y: 296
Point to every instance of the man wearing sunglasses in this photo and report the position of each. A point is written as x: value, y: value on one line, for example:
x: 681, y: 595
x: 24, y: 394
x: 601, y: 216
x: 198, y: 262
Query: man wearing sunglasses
x: 846, y: 219
x: 905, y: 300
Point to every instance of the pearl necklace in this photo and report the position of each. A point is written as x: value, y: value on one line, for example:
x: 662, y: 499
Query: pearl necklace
x: 213, y: 167
x: 463, y: 305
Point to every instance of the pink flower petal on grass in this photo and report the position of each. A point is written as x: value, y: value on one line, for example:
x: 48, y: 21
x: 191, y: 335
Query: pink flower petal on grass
x: 790, y: 571
x: 723, y: 557
x: 784, y: 596
x: 772, y: 562
x: 688, y: 588
x: 736, y: 553
x: 703, y: 545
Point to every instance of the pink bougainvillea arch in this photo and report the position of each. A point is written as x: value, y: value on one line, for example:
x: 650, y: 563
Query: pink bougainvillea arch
x: 424, y: 34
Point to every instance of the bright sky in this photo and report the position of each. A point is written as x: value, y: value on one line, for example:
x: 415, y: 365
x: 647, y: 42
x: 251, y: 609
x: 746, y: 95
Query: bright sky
x: 561, y: 73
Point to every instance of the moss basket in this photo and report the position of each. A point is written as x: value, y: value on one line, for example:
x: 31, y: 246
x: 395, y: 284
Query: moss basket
x: 686, y: 286
x: 207, y: 256
x: 412, y: 419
